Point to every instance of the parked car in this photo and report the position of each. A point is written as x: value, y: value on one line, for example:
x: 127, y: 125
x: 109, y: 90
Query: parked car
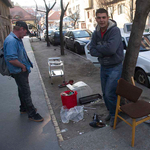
x: 55, y: 37
x: 142, y: 69
x: 77, y: 39
x: 32, y: 33
x: 49, y: 33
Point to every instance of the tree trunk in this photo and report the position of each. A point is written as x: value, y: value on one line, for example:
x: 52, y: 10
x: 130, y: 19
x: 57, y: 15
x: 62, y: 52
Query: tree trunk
x: 61, y: 26
x: 61, y: 34
x: 74, y: 24
x: 142, y: 10
x: 47, y: 39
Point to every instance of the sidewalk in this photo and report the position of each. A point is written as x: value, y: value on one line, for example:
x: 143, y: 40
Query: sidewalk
x: 16, y: 131
x: 19, y: 133
x: 80, y: 136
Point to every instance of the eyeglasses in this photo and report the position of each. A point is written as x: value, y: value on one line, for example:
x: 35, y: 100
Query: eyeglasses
x: 104, y: 17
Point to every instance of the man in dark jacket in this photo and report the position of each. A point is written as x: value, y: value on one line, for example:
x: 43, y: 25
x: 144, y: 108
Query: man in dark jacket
x: 106, y: 44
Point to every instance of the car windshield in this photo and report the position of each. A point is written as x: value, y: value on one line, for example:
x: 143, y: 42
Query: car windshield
x: 57, y: 33
x: 145, y: 43
x: 82, y: 33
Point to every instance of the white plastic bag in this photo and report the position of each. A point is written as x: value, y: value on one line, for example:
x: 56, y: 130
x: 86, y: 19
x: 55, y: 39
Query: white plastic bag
x: 74, y: 114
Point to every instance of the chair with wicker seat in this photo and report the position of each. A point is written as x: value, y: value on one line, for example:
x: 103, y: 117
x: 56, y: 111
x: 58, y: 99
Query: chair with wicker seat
x: 136, y: 109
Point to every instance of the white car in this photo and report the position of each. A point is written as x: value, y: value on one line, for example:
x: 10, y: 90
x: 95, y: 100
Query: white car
x: 142, y: 69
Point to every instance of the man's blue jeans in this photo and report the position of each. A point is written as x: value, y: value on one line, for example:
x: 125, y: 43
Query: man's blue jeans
x: 109, y: 78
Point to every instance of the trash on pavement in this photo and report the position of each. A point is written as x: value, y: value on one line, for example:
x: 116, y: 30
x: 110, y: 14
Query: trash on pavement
x: 82, y: 89
x: 89, y: 107
x: 69, y: 99
x: 65, y: 83
x: 81, y: 132
x: 96, y: 123
x: 64, y: 130
x: 90, y: 98
x: 74, y: 114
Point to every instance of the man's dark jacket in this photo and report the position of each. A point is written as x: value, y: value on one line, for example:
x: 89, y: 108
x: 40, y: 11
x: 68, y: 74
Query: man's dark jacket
x: 108, y: 49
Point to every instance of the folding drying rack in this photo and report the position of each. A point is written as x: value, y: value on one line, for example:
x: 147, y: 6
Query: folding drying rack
x: 56, y: 67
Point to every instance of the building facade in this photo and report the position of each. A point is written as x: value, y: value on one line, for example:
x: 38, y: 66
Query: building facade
x: 77, y: 6
x: 18, y: 13
x: 122, y: 11
x: 5, y: 20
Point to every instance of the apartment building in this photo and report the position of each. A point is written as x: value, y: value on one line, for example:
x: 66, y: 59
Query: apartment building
x: 122, y: 11
x: 77, y: 6
x: 5, y: 22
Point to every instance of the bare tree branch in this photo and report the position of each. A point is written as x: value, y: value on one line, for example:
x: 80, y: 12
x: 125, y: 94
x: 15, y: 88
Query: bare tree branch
x: 66, y: 7
x: 46, y: 12
x: 74, y: 16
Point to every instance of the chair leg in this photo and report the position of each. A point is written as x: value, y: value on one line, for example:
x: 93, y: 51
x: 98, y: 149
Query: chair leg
x: 133, y: 131
x: 115, y: 121
x: 116, y: 113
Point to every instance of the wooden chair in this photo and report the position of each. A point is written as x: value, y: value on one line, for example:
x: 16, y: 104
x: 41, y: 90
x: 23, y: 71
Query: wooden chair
x: 136, y: 109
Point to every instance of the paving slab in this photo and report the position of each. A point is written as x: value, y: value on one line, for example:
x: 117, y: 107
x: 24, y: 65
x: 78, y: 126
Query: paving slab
x: 16, y: 131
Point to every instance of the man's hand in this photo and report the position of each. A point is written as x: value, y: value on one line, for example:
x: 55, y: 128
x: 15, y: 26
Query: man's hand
x: 24, y: 69
x: 18, y: 64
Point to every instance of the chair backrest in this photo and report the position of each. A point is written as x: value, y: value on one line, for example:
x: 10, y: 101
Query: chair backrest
x: 128, y: 91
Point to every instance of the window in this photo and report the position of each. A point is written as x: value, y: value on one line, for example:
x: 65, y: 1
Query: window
x: 145, y: 42
x: 71, y: 35
x: 93, y: 13
x: 121, y: 9
x: 82, y: 33
x: 74, y: 8
x: 78, y: 7
x: 110, y: 10
x: 17, y: 17
x: 88, y: 14
x: 69, y: 10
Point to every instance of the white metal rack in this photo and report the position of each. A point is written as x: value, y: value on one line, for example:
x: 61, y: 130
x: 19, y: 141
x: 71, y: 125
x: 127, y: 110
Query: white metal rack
x: 56, y: 67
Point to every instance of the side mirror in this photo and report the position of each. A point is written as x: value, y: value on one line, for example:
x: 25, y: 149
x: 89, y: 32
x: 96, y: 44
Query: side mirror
x: 71, y: 38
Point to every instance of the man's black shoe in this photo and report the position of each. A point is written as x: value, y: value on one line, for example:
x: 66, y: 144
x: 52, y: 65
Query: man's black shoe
x: 36, y: 118
x: 108, y: 118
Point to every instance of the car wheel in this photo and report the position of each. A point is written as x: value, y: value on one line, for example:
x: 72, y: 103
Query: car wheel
x: 141, y: 77
x: 77, y: 49
x: 66, y: 45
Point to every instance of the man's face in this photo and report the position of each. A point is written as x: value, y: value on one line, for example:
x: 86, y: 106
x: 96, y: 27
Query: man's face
x: 23, y: 32
x: 102, y: 20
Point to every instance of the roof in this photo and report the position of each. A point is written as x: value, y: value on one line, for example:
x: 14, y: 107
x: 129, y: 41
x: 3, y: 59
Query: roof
x: 30, y: 11
x: 55, y: 15
x: 19, y: 13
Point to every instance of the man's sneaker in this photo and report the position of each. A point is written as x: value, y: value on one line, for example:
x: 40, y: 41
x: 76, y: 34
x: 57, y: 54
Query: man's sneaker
x: 24, y: 111
x: 111, y: 123
x: 36, y: 118
x: 108, y: 118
